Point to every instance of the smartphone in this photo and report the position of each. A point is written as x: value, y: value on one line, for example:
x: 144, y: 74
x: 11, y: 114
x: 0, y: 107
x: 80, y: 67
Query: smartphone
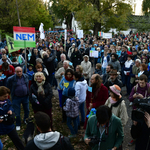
x: 137, y: 93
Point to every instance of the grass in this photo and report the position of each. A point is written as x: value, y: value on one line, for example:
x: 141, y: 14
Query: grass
x: 57, y: 126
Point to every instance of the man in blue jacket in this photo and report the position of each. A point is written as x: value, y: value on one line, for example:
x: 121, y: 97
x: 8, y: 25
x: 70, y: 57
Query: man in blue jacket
x: 19, y: 87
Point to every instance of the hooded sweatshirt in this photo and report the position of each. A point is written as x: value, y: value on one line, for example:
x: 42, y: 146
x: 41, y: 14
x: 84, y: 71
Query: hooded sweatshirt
x: 80, y: 88
x: 46, y: 140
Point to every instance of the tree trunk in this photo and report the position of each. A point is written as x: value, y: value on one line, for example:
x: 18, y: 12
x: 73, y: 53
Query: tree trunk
x: 69, y: 21
x: 97, y: 28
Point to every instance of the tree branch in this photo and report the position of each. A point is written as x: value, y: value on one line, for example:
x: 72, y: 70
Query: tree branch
x: 109, y: 7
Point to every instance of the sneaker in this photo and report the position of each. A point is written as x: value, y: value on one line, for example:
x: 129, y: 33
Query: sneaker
x: 17, y: 128
x: 132, y: 142
x: 72, y: 136
x: 131, y: 103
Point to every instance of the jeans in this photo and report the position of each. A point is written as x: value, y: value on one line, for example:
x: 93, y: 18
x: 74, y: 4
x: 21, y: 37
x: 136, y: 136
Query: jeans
x: 16, y: 140
x: 75, y: 129
x: 51, y: 78
x: 81, y: 108
x: 16, y: 102
x: 103, y: 71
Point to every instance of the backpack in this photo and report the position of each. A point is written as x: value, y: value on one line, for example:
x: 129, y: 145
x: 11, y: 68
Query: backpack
x: 65, y: 143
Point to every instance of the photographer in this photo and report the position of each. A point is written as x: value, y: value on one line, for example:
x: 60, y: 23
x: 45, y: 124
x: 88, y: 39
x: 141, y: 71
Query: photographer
x: 141, y: 132
x: 104, y: 130
x: 7, y: 123
x: 141, y: 90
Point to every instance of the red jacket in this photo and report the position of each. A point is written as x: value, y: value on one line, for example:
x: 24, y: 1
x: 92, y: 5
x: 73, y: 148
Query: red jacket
x: 9, y: 72
x: 98, y: 100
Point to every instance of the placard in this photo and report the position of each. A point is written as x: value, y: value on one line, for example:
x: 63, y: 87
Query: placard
x: 80, y: 33
x: 107, y: 35
x: 94, y: 54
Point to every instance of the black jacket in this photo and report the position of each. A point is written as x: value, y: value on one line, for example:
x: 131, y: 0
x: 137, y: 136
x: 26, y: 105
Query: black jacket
x: 45, y: 101
x: 141, y: 133
x: 146, y: 73
x: 31, y: 146
x: 117, y: 82
x: 49, y: 62
x: 76, y: 58
x: 33, y: 58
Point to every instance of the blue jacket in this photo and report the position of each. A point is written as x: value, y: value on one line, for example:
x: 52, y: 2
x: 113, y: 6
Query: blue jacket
x: 65, y: 85
x: 30, y: 74
x: 12, y: 81
x: 1, y: 145
x: 6, y: 129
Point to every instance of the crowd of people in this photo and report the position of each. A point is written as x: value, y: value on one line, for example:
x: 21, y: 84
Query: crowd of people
x: 82, y: 82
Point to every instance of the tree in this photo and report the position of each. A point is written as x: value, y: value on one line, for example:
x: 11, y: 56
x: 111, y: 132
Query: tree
x: 62, y: 11
x: 97, y: 15
x: 146, y: 6
x: 32, y: 13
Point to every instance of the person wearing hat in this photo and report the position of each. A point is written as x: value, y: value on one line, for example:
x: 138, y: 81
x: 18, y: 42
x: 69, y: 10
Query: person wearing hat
x: 117, y: 104
x: 86, y: 65
x: 113, y: 79
x: 72, y: 112
x: 127, y: 67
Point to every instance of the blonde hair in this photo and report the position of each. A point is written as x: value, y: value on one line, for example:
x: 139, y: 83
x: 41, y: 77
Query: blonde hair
x: 39, y: 74
x: 80, y: 68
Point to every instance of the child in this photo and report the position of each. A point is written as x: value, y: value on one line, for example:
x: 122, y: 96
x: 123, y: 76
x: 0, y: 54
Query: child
x: 2, y: 78
x: 72, y: 112
x: 30, y: 73
x: 98, y: 69
x: 7, y: 126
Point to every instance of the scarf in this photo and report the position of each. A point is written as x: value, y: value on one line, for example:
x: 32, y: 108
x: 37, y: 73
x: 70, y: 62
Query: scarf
x: 69, y: 79
x: 40, y: 88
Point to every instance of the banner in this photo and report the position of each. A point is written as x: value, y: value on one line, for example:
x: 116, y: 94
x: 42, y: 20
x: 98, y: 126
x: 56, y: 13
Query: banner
x: 107, y: 35
x: 100, y: 34
x: 94, y: 54
x: 24, y: 37
x: 80, y: 33
x: 10, y: 44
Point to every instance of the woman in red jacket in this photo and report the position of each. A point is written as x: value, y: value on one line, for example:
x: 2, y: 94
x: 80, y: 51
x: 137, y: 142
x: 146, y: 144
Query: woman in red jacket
x: 97, y: 94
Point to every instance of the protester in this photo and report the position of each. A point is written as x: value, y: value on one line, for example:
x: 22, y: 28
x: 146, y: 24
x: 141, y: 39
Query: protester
x: 117, y: 104
x: 19, y: 87
x: 66, y: 83
x: 104, y: 125
x: 86, y: 65
x: 113, y: 79
x: 80, y: 92
x: 97, y: 96
x: 40, y: 95
x: 72, y: 112
x: 8, y: 127
x: 98, y: 69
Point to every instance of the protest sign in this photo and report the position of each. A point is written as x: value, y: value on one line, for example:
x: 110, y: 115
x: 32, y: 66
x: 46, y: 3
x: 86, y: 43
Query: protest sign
x: 10, y: 44
x: 107, y: 35
x: 80, y: 33
x: 24, y: 37
x: 94, y: 54
x: 100, y: 34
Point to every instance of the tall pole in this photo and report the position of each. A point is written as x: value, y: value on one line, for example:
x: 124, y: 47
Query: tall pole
x: 18, y: 13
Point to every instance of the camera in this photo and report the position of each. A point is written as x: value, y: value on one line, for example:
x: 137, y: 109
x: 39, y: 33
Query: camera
x: 4, y: 117
x: 94, y: 140
x: 142, y: 106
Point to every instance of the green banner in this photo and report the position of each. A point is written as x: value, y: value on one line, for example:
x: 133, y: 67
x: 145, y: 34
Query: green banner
x: 10, y: 44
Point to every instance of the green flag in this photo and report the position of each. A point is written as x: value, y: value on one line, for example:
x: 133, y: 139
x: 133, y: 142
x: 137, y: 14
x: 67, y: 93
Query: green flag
x: 10, y: 44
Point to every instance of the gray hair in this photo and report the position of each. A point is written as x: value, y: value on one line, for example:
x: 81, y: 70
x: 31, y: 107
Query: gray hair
x: 138, y: 60
x: 62, y: 55
x: 66, y: 61
x: 39, y: 60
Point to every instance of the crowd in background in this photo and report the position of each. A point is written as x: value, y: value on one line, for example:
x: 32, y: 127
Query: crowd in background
x: 66, y: 66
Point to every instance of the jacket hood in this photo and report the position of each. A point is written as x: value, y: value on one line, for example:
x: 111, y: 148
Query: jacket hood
x: 84, y: 82
x: 46, y: 140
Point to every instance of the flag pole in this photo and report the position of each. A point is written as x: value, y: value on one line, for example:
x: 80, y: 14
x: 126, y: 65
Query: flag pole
x: 25, y: 56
